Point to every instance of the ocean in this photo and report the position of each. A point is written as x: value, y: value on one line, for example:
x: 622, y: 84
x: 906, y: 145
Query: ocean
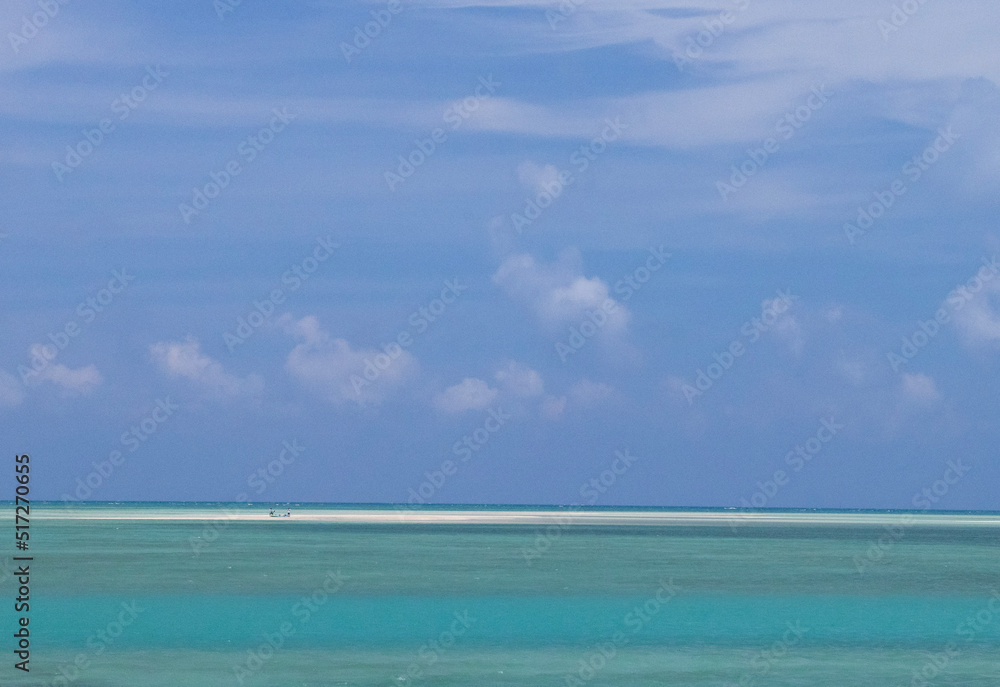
x: 215, y: 595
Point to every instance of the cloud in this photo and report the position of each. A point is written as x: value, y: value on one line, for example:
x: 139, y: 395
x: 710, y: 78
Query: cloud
x: 11, y: 391
x: 559, y: 294
x: 183, y: 359
x: 339, y: 374
x: 978, y: 321
x: 79, y: 382
x: 520, y: 380
x: 469, y: 394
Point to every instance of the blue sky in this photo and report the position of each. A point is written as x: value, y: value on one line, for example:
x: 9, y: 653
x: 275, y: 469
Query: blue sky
x: 487, y: 247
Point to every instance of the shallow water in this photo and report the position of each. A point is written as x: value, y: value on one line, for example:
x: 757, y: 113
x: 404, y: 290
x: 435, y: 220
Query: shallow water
x: 202, y: 601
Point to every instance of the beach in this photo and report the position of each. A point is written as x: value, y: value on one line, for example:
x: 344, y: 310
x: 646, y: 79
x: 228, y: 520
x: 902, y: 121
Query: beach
x: 552, y: 516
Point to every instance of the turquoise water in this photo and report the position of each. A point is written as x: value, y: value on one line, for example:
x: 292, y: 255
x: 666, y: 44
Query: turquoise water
x: 203, y: 601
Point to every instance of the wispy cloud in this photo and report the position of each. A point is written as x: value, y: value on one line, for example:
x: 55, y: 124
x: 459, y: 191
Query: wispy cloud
x: 11, y: 391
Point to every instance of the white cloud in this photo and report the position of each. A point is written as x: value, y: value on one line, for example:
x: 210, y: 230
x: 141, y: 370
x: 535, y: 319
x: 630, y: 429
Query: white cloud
x: 332, y: 369
x: 78, y: 382
x: 919, y: 388
x: 559, y: 294
x: 11, y: 391
x: 72, y: 382
x: 520, y: 380
x: 978, y: 321
x: 184, y: 359
x: 469, y: 394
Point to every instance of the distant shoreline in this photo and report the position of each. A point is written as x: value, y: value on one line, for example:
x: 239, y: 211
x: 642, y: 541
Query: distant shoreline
x: 566, y: 517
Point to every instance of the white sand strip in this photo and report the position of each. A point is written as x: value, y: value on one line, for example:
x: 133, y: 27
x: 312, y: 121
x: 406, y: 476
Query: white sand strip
x: 538, y: 518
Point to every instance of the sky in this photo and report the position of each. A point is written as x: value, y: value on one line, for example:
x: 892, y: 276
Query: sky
x: 649, y: 252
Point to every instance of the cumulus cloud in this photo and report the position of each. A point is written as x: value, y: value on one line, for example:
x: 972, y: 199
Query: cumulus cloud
x: 338, y: 373
x: 184, y: 360
x: 469, y: 394
x: 78, y: 382
x: 520, y: 380
x: 559, y: 294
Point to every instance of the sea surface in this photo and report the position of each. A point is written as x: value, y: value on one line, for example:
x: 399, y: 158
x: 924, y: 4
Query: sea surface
x: 191, y: 595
